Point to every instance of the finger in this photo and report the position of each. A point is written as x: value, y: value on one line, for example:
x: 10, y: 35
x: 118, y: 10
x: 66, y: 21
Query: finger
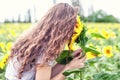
x: 77, y: 53
x: 83, y: 59
x: 82, y: 65
x: 78, y: 56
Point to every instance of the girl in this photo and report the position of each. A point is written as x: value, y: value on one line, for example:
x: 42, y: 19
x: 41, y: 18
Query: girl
x: 33, y: 54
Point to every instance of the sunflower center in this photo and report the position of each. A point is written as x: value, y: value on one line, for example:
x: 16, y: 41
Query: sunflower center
x: 108, y: 51
x: 106, y: 34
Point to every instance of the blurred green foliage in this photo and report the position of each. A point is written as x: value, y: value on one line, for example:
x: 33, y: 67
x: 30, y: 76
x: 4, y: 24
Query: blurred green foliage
x: 100, y: 16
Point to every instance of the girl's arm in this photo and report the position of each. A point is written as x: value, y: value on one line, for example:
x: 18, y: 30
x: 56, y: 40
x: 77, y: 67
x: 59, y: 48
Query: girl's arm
x: 46, y: 72
x: 43, y: 72
x: 75, y: 63
x: 60, y: 75
x: 57, y: 69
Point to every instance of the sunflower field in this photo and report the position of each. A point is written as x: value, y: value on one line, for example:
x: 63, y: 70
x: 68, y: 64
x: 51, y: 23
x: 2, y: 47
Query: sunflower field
x: 103, y: 37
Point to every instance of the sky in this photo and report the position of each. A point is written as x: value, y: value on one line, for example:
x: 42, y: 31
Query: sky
x: 109, y: 6
x: 11, y: 8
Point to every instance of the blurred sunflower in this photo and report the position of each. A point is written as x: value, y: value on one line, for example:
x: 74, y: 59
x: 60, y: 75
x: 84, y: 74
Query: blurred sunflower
x: 3, y: 61
x: 2, y: 31
x: 90, y: 55
x: 12, y: 32
x: 105, y: 34
x: 8, y: 46
x: 108, y: 51
x: 2, y: 46
x: 112, y: 34
x: 92, y: 30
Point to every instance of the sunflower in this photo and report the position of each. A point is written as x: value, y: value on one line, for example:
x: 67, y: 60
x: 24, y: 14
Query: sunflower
x: 108, y: 51
x: 105, y: 34
x: 77, y: 30
x: 90, y: 55
x: 8, y: 46
x: 3, y: 61
x: 2, y: 46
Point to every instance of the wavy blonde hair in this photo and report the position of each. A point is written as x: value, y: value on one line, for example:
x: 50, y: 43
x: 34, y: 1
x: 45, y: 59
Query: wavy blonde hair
x: 47, y: 39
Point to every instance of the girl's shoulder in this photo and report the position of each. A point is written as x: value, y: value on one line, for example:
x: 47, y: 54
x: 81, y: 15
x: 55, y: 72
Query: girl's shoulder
x: 11, y: 68
x: 12, y: 71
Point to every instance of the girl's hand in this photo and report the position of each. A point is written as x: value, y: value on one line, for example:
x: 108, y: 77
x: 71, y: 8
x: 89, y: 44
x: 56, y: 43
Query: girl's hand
x: 77, y: 53
x: 77, y: 62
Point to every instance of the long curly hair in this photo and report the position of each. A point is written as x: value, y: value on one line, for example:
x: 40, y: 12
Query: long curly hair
x: 47, y: 39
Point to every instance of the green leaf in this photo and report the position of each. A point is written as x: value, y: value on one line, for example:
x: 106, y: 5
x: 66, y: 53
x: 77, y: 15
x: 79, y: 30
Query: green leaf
x: 92, y: 61
x: 68, y: 72
x: 89, y: 49
x: 82, y: 39
x: 118, y: 46
x: 93, y: 47
x: 65, y: 57
x: 69, y: 78
x: 97, y: 35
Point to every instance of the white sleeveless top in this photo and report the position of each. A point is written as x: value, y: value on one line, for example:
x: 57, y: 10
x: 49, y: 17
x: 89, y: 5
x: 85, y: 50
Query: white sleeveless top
x: 12, y: 68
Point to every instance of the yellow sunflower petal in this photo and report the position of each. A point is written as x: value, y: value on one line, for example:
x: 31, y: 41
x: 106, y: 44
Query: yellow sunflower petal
x: 77, y: 29
x: 3, y: 61
x: 90, y: 55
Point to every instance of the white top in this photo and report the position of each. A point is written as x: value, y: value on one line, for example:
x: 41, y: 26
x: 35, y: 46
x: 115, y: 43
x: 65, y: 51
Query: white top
x: 12, y: 68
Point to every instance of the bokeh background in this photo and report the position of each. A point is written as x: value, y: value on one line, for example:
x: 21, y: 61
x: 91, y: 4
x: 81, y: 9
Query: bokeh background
x: 100, y: 16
